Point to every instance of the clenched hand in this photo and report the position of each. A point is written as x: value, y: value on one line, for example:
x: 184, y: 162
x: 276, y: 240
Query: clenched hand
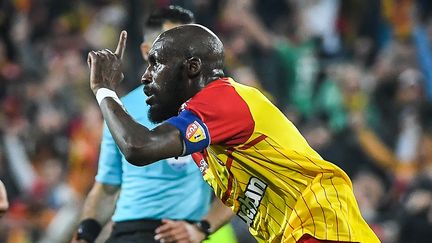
x: 105, y: 66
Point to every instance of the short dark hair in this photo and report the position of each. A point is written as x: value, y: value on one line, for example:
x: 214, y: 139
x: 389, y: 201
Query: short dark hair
x: 171, y: 13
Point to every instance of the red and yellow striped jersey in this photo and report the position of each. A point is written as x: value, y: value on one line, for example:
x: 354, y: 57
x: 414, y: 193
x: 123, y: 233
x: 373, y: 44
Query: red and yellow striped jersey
x: 259, y: 164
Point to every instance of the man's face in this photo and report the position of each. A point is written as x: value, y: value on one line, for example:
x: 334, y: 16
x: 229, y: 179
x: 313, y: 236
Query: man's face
x: 163, y: 82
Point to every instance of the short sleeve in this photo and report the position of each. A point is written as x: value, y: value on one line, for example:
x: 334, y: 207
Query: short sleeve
x: 110, y: 160
x: 224, y: 112
x: 194, y: 132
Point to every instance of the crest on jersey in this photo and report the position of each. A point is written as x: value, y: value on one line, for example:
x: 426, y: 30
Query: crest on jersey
x: 195, y: 132
x: 203, y: 166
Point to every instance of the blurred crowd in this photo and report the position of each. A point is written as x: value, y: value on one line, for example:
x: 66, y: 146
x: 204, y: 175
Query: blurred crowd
x: 355, y: 76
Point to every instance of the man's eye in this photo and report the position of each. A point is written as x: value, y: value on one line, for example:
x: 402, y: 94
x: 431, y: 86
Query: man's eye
x: 152, y: 60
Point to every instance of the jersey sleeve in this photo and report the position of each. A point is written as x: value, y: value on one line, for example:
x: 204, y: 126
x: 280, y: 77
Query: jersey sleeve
x: 223, y: 114
x: 110, y: 160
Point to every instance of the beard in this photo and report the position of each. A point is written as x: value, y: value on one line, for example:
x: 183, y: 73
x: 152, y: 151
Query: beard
x: 161, y: 112
x: 167, y: 107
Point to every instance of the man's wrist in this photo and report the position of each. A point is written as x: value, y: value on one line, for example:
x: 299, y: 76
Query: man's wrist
x: 204, y: 226
x: 88, y: 230
x: 103, y: 93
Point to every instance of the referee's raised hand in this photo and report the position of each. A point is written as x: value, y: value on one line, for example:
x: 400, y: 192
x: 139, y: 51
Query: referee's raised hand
x: 105, y: 66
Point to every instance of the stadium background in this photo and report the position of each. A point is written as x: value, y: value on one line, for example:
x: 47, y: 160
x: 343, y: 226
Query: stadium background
x: 355, y: 76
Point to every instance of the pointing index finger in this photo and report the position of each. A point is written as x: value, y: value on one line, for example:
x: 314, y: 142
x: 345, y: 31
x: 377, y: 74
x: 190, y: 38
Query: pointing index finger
x: 121, y: 46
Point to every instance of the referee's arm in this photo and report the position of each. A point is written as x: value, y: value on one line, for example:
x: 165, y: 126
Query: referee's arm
x: 98, y: 209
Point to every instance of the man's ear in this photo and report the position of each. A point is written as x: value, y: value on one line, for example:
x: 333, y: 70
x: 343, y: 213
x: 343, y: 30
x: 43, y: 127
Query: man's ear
x: 193, y: 66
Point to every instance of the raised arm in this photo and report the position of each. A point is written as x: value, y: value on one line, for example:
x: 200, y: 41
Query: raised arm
x: 140, y: 145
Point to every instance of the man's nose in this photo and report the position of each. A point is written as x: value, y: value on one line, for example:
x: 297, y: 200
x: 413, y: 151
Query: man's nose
x: 146, y: 78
